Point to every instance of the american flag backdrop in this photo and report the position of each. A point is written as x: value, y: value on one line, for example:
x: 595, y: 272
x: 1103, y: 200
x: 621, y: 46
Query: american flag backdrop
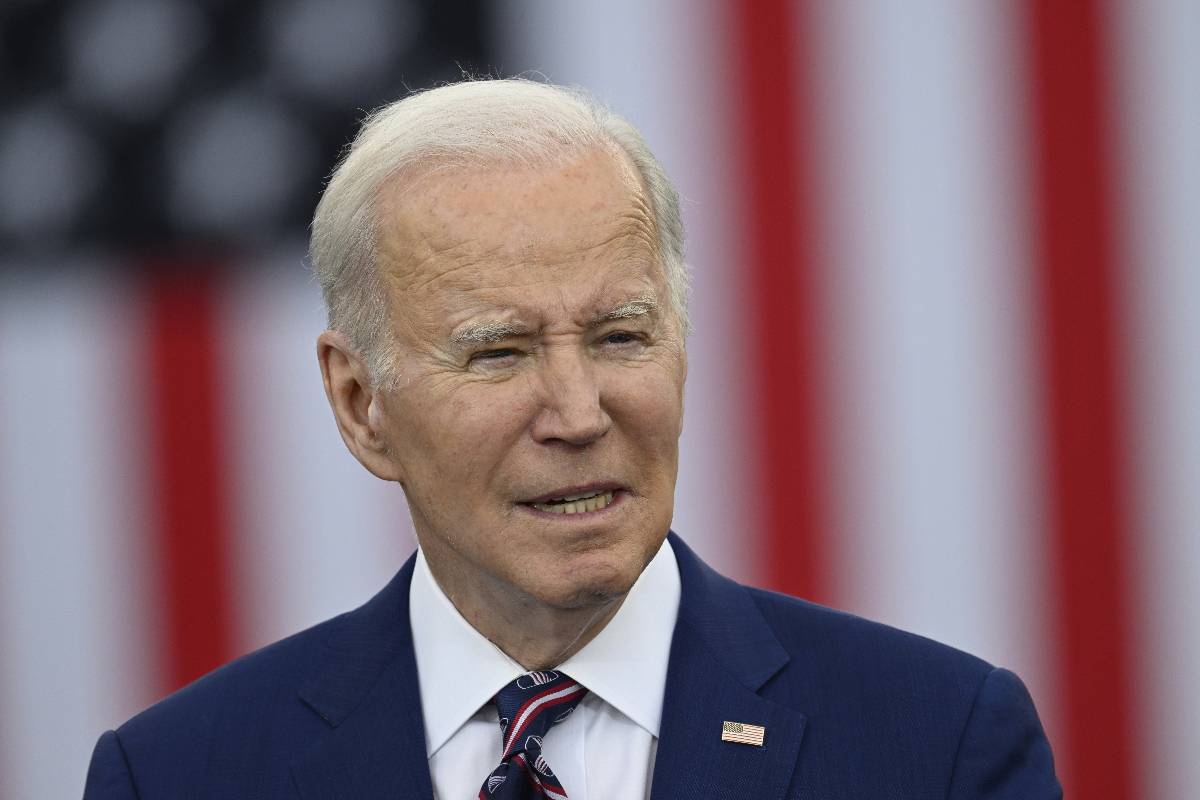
x: 945, y: 371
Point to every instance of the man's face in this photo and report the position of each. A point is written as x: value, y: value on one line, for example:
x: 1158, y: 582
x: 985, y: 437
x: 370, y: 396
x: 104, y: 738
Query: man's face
x: 539, y: 361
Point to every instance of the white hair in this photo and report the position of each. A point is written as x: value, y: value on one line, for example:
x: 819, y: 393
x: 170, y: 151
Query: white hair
x: 475, y: 123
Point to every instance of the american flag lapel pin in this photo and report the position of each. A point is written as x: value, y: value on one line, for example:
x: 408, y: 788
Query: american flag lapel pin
x: 742, y: 733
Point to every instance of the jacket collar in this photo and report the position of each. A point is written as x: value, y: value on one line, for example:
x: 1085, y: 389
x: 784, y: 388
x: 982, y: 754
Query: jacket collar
x: 723, y: 614
x: 364, y: 685
x: 722, y: 653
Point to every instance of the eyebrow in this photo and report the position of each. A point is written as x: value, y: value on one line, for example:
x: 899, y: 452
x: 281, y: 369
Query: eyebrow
x: 492, y: 332
x: 637, y: 307
x: 488, y: 332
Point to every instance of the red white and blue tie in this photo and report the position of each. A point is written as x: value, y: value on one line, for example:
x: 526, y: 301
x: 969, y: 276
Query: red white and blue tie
x: 528, y: 708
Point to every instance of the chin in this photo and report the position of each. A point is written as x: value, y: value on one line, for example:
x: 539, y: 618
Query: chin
x: 594, y: 576
x: 591, y: 588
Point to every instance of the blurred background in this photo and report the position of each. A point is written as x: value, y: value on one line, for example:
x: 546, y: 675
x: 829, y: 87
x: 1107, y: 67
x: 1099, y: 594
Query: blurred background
x: 945, y: 372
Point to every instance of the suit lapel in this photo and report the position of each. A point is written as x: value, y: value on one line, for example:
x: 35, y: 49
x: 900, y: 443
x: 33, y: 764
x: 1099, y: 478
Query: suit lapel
x: 722, y: 653
x: 365, y: 687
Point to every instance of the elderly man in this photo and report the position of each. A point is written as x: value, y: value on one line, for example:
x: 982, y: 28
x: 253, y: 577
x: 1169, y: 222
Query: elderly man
x: 502, y: 263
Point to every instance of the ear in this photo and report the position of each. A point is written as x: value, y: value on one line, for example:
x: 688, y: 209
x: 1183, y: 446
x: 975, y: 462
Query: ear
x: 356, y: 404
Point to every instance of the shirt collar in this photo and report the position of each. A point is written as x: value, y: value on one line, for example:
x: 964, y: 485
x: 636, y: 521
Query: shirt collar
x: 459, y: 670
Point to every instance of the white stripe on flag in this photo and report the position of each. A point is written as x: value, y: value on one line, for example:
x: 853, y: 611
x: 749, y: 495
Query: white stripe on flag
x: 939, y: 531
x: 75, y: 609
x: 1160, y: 114
x: 316, y: 534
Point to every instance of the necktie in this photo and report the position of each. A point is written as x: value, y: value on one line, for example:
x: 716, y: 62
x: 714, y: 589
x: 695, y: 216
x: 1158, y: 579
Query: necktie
x: 528, y: 707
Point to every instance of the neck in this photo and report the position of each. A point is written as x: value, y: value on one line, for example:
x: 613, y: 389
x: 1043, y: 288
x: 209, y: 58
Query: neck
x: 536, y: 635
x: 540, y: 640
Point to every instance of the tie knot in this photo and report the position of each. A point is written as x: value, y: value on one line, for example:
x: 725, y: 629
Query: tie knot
x: 531, y: 705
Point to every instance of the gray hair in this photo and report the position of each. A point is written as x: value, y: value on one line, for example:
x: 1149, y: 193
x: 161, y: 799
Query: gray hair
x: 480, y: 123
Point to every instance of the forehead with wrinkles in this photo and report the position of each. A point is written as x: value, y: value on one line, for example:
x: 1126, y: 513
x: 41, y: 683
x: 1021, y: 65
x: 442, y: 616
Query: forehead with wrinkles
x: 466, y: 226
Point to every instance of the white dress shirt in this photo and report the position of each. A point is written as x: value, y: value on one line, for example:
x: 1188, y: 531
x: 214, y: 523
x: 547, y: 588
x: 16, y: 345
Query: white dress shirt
x: 605, y: 749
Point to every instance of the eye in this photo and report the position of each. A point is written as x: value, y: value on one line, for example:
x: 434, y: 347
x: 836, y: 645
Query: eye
x: 620, y: 337
x: 496, y: 357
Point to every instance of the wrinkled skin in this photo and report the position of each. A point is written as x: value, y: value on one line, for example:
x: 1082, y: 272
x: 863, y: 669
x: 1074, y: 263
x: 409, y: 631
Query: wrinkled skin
x: 565, y: 397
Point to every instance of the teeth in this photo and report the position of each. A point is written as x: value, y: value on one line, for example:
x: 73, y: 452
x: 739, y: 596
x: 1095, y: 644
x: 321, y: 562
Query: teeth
x: 568, y: 497
x: 576, y: 504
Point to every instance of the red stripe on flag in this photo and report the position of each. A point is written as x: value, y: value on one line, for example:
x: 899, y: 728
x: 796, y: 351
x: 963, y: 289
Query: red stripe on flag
x: 190, y: 497
x: 777, y: 236
x: 1076, y: 265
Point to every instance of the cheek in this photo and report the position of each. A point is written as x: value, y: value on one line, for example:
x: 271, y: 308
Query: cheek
x: 651, y: 405
x: 466, y: 435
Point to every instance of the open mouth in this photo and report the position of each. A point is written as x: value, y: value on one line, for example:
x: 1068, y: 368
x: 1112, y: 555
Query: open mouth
x: 580, y: 503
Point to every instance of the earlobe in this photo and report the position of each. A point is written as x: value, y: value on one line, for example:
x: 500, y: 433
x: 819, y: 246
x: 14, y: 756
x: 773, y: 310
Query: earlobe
x: 355, y: 404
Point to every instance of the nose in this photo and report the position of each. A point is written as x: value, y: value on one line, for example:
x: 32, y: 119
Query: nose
x: 569, y: 402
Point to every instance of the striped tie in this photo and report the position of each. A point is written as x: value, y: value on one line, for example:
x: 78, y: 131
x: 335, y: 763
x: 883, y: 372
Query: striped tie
x: 528, y: 707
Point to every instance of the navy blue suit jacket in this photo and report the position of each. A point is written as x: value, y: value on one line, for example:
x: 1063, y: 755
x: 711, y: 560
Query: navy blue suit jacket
x: 852, y: 709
